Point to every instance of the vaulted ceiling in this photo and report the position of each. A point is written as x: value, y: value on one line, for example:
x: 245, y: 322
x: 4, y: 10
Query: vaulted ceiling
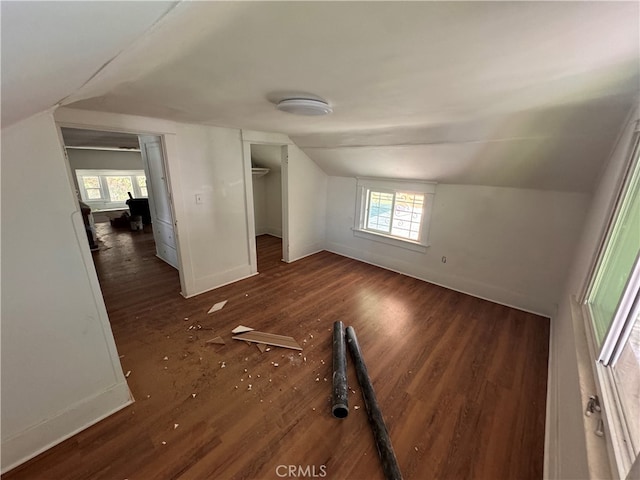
x: 520, y: 94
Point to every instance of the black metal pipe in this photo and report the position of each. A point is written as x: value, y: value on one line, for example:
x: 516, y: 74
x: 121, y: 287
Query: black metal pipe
x: 380, y: 432
x: 340, y: 404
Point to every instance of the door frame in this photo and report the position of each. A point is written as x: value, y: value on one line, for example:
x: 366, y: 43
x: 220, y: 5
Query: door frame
x: 258, y: 138
x: 107, y: 122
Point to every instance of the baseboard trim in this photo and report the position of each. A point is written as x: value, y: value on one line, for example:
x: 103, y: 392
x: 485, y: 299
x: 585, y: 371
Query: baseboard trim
x: 208, y: 289
x: 440, y: 284
x: 551, y: 444
x: 38, y: 438
x: 291, y: 260
x: 274, y: 232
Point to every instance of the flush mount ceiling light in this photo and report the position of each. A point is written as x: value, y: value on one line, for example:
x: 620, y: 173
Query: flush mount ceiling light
x: 304, y: 106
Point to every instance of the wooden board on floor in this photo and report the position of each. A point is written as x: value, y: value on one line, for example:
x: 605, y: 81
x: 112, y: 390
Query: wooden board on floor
x: 269, y: 339
x: 241, y: 329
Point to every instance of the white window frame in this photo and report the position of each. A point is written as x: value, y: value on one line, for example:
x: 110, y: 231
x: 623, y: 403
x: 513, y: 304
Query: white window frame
x: 105, y: 203
x: 622, y: 452
x: 365, y: 185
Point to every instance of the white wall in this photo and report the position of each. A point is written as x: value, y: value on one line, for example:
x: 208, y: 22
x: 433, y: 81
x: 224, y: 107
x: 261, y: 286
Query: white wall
x: 210, y: 162
x: 104, y: 160
x: 567, y: 446
x: 273, y: 196
x: 267, y: 204
x: 307, y: 213
x: 60, y: 367
x: 260, y: 204
x: 508, y: 245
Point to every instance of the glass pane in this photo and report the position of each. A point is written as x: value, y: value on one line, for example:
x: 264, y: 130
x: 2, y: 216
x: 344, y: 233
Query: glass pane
x: 618, y: 260
x: 627, y: 375
x: 142, y: 183
x: 379, y: 214
x: 407, y: 215
x: 93, y: 193
x: 91, y: 182
x: 119, y: 188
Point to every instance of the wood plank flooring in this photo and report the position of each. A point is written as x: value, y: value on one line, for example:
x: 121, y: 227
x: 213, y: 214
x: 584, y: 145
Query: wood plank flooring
x: 461, y: 381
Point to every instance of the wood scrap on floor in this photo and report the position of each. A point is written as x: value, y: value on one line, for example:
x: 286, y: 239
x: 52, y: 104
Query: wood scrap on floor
x: 216, y: 340
x: 241, y: 329
x: 261, y: 346
x: 217, y: 306
x: 269, y: 339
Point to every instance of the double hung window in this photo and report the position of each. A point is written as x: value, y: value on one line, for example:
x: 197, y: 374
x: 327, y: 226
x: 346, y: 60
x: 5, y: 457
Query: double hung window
x: 394, y: 211
x: 612, y: 305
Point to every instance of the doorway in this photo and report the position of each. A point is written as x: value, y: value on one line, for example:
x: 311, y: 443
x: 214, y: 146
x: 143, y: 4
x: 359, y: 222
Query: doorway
x: 123, y: 190
x: 268, y: 175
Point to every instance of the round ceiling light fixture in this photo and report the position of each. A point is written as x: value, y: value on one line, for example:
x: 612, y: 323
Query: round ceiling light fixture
x: 304, y: 106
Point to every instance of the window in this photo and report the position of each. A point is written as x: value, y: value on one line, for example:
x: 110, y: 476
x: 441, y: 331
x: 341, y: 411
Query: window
x: 109, y: 189
x: 612, y: 306
x: 141, y: 180
x: 92, y: 187
x: 394, y: 211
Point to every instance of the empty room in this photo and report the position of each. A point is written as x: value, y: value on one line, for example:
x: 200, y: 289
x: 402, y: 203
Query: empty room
x: 343, y: 240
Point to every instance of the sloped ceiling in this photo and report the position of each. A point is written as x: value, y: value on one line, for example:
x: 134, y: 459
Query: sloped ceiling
x: 51, y: 49
x: 266, y: 156
x: 528, y: 95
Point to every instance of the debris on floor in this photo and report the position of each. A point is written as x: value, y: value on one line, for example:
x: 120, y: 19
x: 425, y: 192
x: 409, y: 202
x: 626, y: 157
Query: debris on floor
x: 268, y: 339
x: 217, y: 306
x: 216, y: 340
x: 223, y: 365
x: 261, y: 346
x: 127, y: 374
x: 241, y: 329
x: 175, y: 425
x: 166, y: 358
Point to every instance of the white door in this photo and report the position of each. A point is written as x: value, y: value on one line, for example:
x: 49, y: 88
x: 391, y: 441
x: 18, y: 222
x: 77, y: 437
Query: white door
x: 159, y: 198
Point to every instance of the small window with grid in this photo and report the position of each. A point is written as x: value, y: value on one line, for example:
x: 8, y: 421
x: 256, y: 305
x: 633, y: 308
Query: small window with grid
x: 394, y: 210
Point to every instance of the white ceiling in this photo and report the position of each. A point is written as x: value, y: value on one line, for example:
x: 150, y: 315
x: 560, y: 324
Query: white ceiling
x: 527, y: 95
x: 51, y: 49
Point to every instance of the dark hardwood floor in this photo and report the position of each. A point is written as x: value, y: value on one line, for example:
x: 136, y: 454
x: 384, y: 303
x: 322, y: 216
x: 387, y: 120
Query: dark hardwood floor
x: 461, y: 381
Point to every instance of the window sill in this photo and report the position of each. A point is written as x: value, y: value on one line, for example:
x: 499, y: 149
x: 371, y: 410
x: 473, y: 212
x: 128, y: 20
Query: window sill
x: 396, y: 242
